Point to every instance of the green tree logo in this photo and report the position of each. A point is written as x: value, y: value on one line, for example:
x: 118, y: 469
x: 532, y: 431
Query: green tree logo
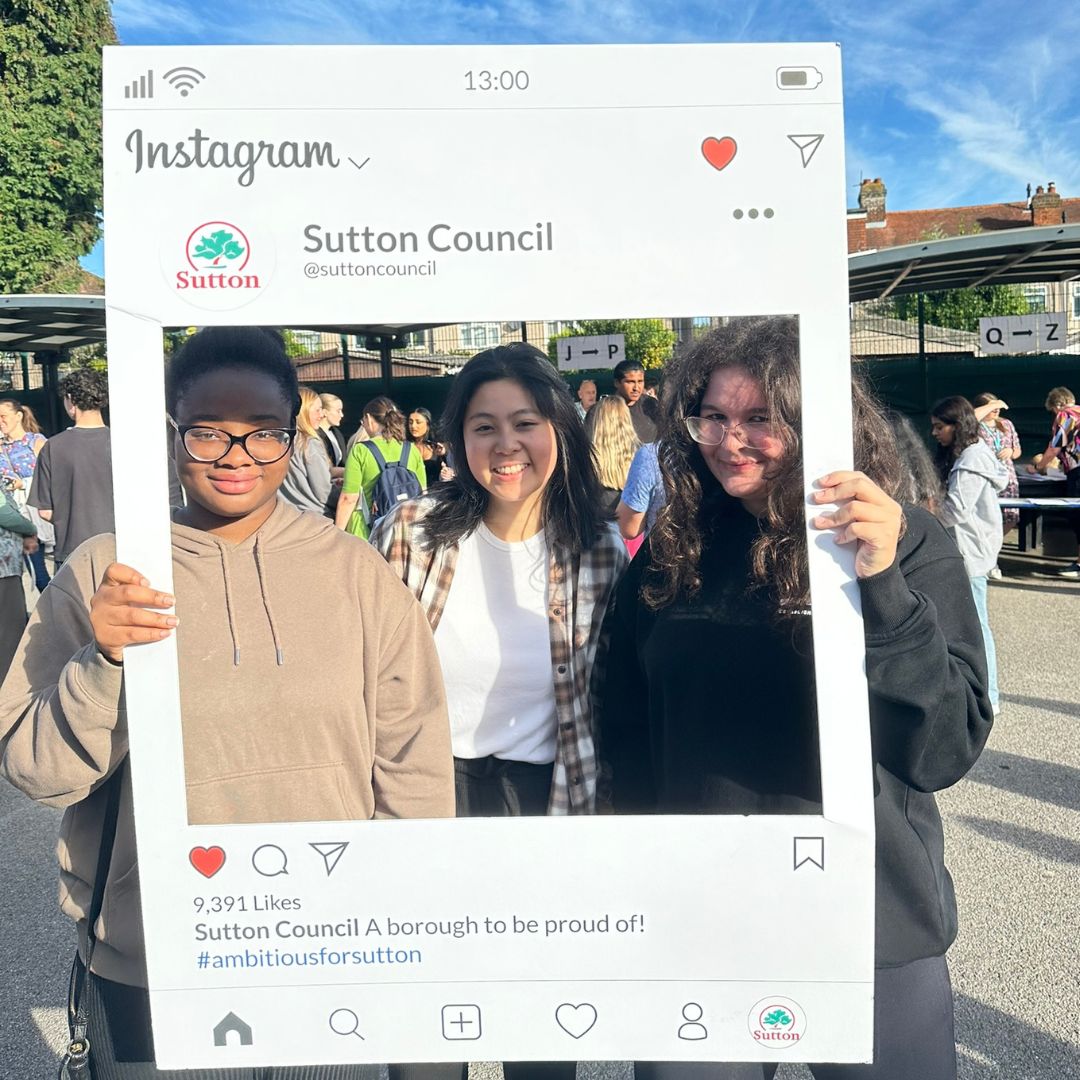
x: 778, y: 1018
x: 217, y: 246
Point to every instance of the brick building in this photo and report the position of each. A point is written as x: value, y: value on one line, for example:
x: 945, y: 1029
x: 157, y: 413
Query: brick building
x: 871, y: 227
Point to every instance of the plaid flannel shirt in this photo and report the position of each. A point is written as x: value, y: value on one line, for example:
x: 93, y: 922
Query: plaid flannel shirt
x: 578, y: 590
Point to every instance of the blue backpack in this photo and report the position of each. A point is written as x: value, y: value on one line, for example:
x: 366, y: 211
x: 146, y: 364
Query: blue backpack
x: 396, y: 482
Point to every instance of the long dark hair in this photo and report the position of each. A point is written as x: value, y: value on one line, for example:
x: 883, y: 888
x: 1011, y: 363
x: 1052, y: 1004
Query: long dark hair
x: 922, y: 485
x: 429, y: 438
x: 958, y: 412
x: 570, y: 504
x: 768, y: 349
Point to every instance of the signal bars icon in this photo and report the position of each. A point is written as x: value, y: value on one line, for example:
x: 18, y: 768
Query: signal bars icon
x: 142, y: 87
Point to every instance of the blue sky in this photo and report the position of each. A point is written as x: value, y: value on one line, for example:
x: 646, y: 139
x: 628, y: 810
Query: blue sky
x: 949, y: 104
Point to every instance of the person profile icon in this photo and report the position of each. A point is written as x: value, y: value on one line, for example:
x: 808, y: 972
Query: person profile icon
x: 692, y: 1030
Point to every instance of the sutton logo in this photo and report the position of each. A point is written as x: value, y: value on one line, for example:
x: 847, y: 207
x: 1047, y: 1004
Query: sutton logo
x: 777, y: 1022
x: 218, y: 252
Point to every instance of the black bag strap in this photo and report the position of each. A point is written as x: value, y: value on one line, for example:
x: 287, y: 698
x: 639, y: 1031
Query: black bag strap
x: 76, y: 1063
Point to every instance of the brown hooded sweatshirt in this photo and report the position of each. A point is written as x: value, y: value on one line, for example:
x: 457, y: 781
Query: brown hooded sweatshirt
x: 309, y: 687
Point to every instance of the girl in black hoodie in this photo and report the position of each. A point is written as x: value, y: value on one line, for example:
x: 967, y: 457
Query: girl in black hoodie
x: 711, y: 644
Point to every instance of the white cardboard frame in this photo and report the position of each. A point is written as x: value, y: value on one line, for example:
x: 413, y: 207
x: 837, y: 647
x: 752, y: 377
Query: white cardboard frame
x: 611, y: 146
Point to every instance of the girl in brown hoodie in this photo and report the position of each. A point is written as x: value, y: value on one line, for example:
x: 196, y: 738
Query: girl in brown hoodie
x: 244, y: 561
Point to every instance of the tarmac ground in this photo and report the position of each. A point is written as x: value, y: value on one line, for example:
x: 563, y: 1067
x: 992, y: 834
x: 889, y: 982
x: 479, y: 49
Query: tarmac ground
x: 1013, y: 846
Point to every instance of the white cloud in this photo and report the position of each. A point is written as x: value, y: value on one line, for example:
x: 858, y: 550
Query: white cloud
x: 155, y: 17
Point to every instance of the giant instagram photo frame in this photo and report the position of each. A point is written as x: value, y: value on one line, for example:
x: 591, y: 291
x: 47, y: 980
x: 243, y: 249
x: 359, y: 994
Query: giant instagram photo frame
x: 623, y: 182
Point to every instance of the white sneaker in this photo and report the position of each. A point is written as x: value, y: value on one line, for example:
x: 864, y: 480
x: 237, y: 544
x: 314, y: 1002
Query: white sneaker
x: 1072, y: 572
x: 995, y: 574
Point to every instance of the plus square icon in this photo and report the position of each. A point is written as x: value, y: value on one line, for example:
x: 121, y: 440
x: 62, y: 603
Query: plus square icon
x: 461, y: 1022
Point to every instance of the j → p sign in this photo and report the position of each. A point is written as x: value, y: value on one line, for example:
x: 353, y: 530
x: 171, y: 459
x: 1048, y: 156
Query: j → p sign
x: 586, y: 353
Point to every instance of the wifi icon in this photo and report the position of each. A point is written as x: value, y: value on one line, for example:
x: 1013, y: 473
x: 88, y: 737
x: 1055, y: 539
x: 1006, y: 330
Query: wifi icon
x: 184, y: 79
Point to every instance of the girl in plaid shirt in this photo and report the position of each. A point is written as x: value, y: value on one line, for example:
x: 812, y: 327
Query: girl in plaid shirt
x: 514, y: 566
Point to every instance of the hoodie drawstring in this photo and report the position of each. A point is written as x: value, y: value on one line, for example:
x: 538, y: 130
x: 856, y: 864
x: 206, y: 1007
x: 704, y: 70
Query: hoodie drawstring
x: 265, y: 593
x: 229, y: 607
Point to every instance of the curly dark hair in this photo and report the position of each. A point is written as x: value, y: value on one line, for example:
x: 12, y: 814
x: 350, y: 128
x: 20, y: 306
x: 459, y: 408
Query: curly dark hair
x: 768, y: 349
x: 958, y: 412
x: 571, y: 500
x: 88, y: 389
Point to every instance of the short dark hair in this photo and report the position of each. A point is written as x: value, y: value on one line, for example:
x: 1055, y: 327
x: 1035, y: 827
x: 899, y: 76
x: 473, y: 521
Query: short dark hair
x: 248, y: 348
x: 88, y: 389
x: 624, y: 367
x: 572, y: 497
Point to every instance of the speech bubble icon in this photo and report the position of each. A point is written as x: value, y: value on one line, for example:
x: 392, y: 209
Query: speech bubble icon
x: 270, y: 860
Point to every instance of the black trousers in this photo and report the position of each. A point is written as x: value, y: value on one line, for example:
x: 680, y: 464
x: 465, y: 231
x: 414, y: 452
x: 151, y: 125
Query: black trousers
x: 493, y: 787
x: 122, y: 1045
x: 914, y: 1037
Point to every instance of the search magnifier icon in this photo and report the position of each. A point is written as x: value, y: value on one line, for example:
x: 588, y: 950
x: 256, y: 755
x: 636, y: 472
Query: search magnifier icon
x: 994, y: 336
x: 345, y: 1022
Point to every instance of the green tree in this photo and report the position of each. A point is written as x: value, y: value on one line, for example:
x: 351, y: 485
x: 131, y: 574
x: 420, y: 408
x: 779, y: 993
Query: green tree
x: 50, y: 139
x: 962, y: 309
x: 648, y: 341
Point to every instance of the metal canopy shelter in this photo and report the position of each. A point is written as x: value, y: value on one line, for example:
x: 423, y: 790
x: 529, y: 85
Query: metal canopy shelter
x: 51, y: 324
x: 1005, y: 257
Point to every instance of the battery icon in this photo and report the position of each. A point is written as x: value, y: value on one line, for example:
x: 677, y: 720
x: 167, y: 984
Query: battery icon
x: 798, y: 78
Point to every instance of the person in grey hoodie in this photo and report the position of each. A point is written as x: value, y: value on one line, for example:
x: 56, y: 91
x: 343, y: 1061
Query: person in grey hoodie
x: 972, y: 477
x: 245, y: 564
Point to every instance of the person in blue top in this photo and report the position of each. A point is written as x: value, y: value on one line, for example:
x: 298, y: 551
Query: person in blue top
x: 643, y: 495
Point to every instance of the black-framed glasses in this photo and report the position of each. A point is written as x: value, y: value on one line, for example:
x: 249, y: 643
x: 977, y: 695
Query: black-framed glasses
x: 755, y: 434
x: 209, y: 444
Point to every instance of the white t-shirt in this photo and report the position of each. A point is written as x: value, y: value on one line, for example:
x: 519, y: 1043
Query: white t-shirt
x: 495, y: 649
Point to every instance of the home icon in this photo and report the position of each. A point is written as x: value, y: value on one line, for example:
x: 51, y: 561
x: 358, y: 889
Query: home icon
x: 230, y: 1023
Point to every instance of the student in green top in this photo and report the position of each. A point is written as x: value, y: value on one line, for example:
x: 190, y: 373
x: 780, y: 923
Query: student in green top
x: 385, y: 424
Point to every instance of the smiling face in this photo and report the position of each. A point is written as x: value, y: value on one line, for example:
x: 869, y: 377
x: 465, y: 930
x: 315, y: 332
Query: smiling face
x: 315, y: 413
x: 10, y: 421
x: 510, y: 447
x: 944, y: 433
x: 234, y: 496
x: 734, y: 397
x: 418, y: 426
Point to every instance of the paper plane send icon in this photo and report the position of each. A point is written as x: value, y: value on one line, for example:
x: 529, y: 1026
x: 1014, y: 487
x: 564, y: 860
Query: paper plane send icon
x: 807, y: 145
x: 331, y: 853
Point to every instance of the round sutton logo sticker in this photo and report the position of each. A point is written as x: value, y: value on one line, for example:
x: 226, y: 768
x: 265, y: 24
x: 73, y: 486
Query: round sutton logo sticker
x: 777, y: 1022
x: 216, y: 265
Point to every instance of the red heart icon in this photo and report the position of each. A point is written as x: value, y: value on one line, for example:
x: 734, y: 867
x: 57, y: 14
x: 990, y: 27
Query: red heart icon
x: 719, y: 153
x: 207, y: 860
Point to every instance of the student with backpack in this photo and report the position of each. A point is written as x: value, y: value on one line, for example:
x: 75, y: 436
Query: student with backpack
x: 381, y: 472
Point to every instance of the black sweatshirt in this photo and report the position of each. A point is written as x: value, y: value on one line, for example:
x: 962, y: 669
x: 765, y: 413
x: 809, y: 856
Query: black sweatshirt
x: 707, y: 706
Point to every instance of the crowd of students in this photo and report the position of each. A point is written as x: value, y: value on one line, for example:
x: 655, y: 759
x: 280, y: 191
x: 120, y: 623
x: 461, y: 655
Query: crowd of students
x: 503, y: 658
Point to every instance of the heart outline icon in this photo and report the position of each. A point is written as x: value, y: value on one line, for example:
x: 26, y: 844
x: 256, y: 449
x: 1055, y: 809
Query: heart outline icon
x: 719, y: 153
x: 576, y: 1020
x: 208, y: 861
